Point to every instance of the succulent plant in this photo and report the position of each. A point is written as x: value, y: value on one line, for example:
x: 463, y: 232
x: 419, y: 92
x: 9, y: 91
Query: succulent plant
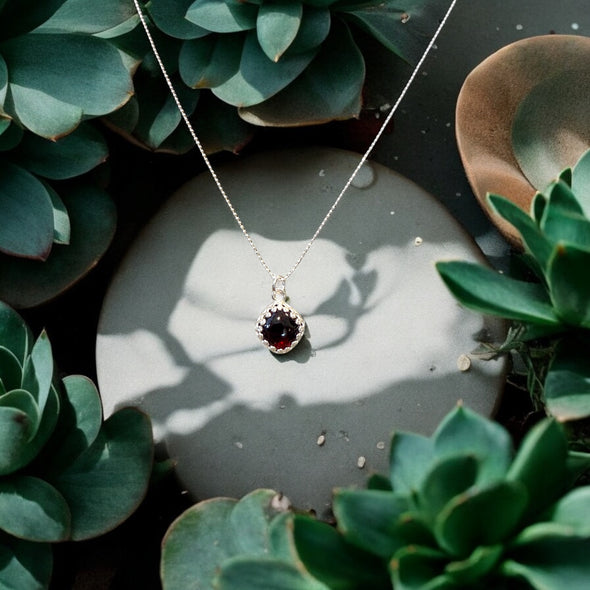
x: 264, y: 62
x: 64, y: 473
x: 555, y: 308
x: 458, y: 511
x: 56, y: 72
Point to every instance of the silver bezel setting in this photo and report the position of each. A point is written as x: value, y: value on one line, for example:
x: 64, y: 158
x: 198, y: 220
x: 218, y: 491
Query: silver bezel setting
x: 295, y: 315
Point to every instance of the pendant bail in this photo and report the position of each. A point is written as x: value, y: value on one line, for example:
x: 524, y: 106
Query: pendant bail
x: 279, y: 289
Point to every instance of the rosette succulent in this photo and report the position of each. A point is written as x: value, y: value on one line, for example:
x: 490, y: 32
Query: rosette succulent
x: 64, y: 473
x: 270, y: 62
x: 554, y: 309
x: 57, y: 71
x: 459, y: 510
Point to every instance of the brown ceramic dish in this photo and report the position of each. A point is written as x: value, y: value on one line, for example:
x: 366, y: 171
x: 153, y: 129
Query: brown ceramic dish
x: 492, y: 98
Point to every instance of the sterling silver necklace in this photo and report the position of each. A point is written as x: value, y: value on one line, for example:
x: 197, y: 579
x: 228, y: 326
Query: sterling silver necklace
x: 280, y: 327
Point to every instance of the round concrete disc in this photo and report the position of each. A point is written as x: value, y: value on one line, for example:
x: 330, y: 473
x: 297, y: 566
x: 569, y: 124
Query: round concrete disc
x: 385, y: 341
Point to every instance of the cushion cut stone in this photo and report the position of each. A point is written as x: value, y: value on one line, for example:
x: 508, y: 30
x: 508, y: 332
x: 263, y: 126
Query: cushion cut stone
x: 280, y: 329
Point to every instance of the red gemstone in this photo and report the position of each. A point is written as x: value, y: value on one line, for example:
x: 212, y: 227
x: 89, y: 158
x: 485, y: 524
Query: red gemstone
x: 280, y: 329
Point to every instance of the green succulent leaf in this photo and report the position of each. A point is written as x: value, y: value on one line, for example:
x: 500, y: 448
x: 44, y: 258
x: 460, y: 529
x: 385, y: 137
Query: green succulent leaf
x: 403, y: 27
x: 277, y: 25
x: 580, y: 182
x: 20, y: 16
x: 61, y: 220
x: 159, y: 116
x: 211, y: 61
x: 22, y: 400
x: 80, y: 420
x: 567, y: 384
x: 538, y: 207
x: 3, y: 90
x: 369, y: 519
x: 329, y: 558
x: 73, y: 155
x: 33, y: 447
x: 14, y: 333
x: 15, y: 431
x: 223, y: 16
x: 196, y: 544
x: 563, y: 219
x: 569, y: 285
x: 535, y: 241
x: 38, y: 371
x: 410, y: 458
x: 49, y: 104
x: 545, y: 444
x: 476, y: 567
x: 420, y: 568
x: 573, y: 511
x: 25, y: 565
x: 11, y: 371
x: 253, y: 573
x: 485, y: 516
x: 464, y: 432
x: 32, y: 509
x: 26, y: 214
x: 313, y: 29
x: 489, y: 292
x: 11, y: 136
x: 222, y: 128
x: 329, y: 88
x: 114, y: 472
x: 259, y: 78
x: 252, y: 516
x: 206, y: 535
x: 169, y: 17
x: 552, y: 562
x: 26, y: 283
x: 448, y: 478
x: 87, y: 16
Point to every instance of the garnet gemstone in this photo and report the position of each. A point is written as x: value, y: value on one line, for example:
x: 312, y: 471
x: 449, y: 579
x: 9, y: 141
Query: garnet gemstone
x: 280, y: 327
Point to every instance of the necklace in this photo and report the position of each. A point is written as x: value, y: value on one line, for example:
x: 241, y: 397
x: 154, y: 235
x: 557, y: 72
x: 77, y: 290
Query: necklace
x: 280, y: 327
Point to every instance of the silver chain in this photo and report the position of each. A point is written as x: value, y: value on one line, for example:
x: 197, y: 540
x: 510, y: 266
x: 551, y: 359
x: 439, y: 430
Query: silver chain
x: 363, y: 159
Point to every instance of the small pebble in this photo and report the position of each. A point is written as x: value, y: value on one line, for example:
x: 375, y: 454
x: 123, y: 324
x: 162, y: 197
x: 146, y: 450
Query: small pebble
x: 280, y: 503
x: 361, y: 461
x: 381, y: 445
x: 321, y: 440
x: 418, y: 241
x: 463, y: 363
x: 239, y: 445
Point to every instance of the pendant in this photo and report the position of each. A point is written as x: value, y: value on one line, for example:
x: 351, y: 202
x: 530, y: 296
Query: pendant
x: 279, y: 326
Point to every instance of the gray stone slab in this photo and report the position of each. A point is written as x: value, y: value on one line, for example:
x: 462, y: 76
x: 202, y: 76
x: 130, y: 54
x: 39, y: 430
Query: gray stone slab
x: 177, y: 339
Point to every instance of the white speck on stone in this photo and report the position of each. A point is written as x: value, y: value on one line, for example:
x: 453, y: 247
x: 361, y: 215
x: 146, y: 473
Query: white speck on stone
x: 239, y: 445
x: 457, y: 194
x: 380, y: 445
x: 463, y: 363
x: 448, y: 124
x: 392, y: 212
x: 575, y: 26
x: 322, y: 172
x: 519, y: 27
x: 361, y: 462
x: 385, y: 107
x: 321, y: 441
x: 418, y: 241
